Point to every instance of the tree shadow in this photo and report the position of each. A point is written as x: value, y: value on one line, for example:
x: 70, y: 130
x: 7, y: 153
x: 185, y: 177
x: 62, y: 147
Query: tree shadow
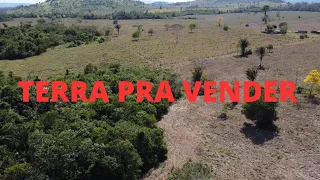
x: 259, y: 136
x: 240, y: 56
x: 315, y: 100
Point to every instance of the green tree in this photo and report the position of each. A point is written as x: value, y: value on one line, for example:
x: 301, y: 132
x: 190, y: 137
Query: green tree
x: 192, y: 26
x: 262, y: 113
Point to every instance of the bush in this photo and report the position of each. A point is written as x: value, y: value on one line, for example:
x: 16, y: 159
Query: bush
x: 262, y: 113
x: 150, y: 31
x: 284, y: 29
x: 192, y: 26
x: 192, y: 171
x: 299, y: 89
x: 243, y: 43
x: 252, y: 74
x: 72, y: 45
x: 249, y: 52
x: 302, y: 36
x: 101, y: 40
x: 226, y: 28
x: 136, y: 35
x: 283, y: 24
x: 270, y: 47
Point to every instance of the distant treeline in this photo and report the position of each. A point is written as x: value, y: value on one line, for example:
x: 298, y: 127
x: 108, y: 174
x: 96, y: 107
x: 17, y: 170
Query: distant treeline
x: 116, y: 15
x: 314, y: 7
x: 26, y: 40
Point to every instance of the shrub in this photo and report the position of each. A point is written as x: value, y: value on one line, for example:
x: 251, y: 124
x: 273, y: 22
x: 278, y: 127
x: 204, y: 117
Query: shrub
x: 284, y: 30
x: 101, y: 40
x: 243, y: 43
x: 261, y: 52
x: 90, y: 68
x: 252, y: 74
x: 299, y: 89
x: 151, y: 32
x: 192, y: 26
x: 226, y: 28
x: 283, y: 24
x: 118, y: 27
x: 302, y: 36
x: 262, y: 113
x: 249, y: 52
x: 72, y: 45
x: 136, y: 35
x: 192, y: 171
x: 197, y: 71
x: 270, y: 47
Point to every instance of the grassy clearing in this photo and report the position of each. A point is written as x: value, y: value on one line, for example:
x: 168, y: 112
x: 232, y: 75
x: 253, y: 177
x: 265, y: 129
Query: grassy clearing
x: 75, y: 59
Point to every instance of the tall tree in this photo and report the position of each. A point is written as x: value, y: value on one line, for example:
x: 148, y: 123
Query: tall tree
x: 265, y: 9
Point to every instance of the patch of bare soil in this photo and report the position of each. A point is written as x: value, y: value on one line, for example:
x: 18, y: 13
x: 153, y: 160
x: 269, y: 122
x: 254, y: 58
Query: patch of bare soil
x: 234, y: 147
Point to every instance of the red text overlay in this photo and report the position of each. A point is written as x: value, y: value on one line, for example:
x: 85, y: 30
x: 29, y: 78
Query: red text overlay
x: 213, y: 91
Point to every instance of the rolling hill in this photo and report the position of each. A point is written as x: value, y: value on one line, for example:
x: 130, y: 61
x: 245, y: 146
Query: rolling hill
x: 78, y: 7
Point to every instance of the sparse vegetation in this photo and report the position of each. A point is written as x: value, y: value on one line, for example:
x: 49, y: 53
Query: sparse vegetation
x: 192, y: 171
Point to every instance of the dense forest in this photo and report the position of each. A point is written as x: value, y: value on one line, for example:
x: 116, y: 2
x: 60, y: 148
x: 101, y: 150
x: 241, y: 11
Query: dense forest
x: 26, y: 40
x: 82, y: 140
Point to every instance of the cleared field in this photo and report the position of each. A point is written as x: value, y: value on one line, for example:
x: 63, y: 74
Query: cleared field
x: 160, y: 50
x: 238, y: 151
x: 55, y: 62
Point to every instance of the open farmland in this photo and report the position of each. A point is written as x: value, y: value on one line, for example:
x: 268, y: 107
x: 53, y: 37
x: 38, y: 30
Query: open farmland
x: 238, y: 151
x: 160, y: 50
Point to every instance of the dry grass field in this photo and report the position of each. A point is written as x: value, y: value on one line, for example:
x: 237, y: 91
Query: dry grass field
x: 193, y: 130
x: 160, y: 50
x: 236, y: 151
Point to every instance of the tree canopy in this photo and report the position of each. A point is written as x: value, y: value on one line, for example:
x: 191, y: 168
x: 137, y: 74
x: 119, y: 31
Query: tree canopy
x: 82, y: 140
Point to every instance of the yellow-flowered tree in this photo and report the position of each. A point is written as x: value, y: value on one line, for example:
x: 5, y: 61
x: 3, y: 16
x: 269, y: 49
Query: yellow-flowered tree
x: 313, y: 79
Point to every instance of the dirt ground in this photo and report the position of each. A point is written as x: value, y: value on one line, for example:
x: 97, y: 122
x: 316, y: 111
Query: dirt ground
x: 238, y: 151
